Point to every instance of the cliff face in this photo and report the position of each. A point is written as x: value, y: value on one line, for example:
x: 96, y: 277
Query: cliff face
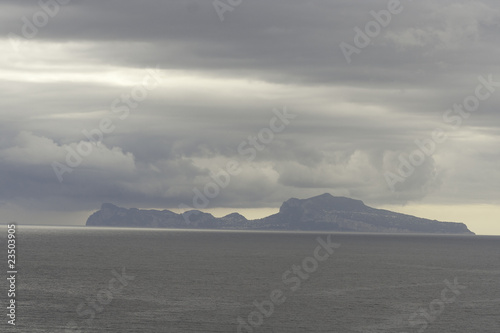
x: 323, y: 212
x: 326, y: 212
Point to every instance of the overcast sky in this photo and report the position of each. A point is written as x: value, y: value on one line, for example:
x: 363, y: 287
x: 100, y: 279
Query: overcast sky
x: 180, y: 88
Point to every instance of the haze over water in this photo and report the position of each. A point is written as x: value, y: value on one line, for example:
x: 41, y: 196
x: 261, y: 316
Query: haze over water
x: 202, y: 281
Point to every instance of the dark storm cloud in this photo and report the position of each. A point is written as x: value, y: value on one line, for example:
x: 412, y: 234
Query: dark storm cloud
x: 221, y: 81
x: 281, y: 40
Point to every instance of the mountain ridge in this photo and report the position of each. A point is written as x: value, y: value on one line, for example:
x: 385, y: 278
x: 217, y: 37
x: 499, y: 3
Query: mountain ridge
x: 324, y: 212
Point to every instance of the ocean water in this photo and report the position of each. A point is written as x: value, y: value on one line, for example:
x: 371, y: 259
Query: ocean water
x: 136, y: 280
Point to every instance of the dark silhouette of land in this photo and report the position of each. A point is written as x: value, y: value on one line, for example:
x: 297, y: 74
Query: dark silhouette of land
x: 323, y: 213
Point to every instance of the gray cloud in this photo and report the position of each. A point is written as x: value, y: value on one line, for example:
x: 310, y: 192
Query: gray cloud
x: 220, y: 83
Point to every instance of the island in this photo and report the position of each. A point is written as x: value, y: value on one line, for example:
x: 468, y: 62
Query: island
x: 320, y: 213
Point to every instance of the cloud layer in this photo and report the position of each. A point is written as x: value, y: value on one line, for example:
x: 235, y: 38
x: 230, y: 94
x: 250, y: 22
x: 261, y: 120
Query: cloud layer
x: 219, y: 83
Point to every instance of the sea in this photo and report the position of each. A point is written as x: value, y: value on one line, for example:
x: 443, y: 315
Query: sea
x: 82, y: 279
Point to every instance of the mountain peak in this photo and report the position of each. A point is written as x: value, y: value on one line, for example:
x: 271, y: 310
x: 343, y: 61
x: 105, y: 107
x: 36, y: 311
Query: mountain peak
x: 234, y: 218
x: 234, y: 215
x: 325, y: 202
x: 108, y: 205
x: 323, y: 212
x: 324, y: 195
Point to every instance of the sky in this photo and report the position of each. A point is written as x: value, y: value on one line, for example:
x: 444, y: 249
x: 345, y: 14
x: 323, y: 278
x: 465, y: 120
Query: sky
x: 238, y: 105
